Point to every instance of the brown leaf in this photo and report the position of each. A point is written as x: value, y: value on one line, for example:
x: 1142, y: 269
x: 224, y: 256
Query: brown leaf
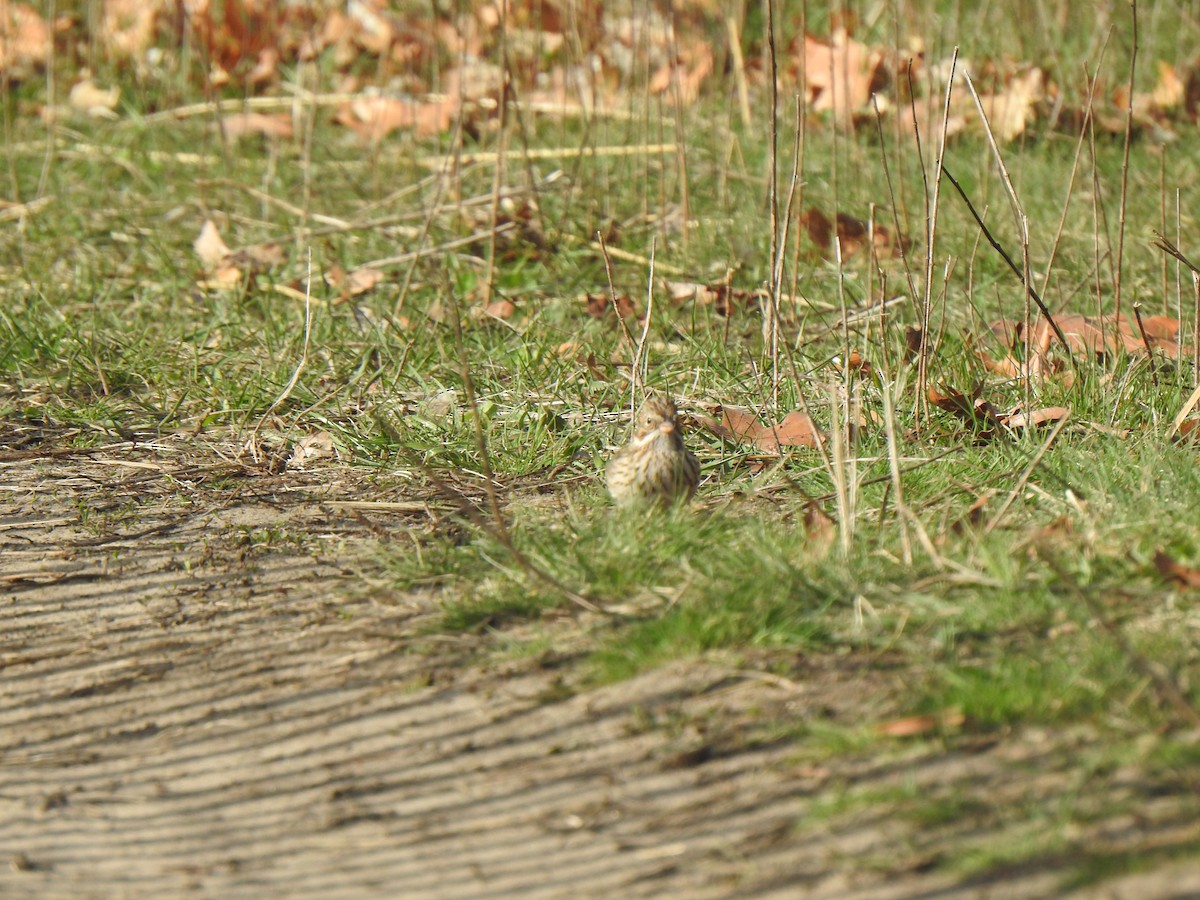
x: 497, y: 309
x: 852, y: 234
x: 127, y: 27
x: 1175, y: 572
x: 209, y: 246
x: 1011, y: 110
x: 238, y: 125
x: 1045, y: 416
x: 87, y: 96
x: 974, y: 515
x: 840, y: 74
x: 742, y: 426
x: 359, y: 281
x: 1187, y: 430
x: 695, y: 64
x: 973, y: 410
x: 1097, y: 336
x: 600, y: 306
x: 24, y: 38
x: 310, y: 448
x: 913, y: 725
x: 373, y: 118
x: 817, y: 523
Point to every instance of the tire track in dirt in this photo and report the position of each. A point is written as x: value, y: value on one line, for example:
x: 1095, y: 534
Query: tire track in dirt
x: 216, y: 709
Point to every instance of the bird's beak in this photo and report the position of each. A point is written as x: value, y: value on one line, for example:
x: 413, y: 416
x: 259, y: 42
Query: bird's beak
x: 667, y: 426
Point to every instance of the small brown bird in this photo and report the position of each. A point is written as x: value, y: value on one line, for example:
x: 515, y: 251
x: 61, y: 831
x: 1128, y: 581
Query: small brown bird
x: 655, y: 467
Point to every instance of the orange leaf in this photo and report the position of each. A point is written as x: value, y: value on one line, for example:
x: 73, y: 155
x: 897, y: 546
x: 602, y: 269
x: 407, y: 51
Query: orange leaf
x: 209, y: 246
x: 839, y: 74
x: 1175, y: 572
x: 1045, y: 416
x: 913, y: 725
x: 239, y: 125
x: 375, y: 117
x: 742, y: 426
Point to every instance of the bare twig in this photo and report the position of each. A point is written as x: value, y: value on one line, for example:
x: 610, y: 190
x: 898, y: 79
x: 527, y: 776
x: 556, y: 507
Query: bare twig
x: 932, y: 206
x: 1125, y: 159
x: 771, y: 308
x: 733, y: 30
x: 499, y: 525
x: 300, y: 364
x: 630, y: 343
x: 1025, y: 476
x: 1137, y: 315
x: 1033, y: 294
x: 1171, y: 250
x: 1164, y: 681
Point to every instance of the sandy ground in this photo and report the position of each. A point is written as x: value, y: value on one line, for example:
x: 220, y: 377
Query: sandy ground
x: 208, y: 688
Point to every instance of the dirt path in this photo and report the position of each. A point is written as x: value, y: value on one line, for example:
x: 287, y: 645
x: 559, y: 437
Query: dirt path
x: 209, y: 689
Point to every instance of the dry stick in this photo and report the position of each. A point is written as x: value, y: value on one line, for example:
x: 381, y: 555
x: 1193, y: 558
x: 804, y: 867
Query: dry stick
x: 641, y: 362
x: 490, y: 157
x: 1125, y: 165
x: 1024, y: 479
x: 1022, y: 228
x: 499, y: 525
x: 685, y: 198
x: 1033, y: 294
x: 739, y: 69
x: 887, y: 174
x: 1097, y: 213
x: 388, y: 261
x: 931, y: 215
x: 612, y: 294
x: 1062, y: 221
x: 793, y: 189
x: 1178, y: 273
x: 771, y: 308
x: 889, y: 425
x: 1159, y: 675
x: 1137, y: 315
x: 498, y: 175
x: 287, y: 391
x: 52, y: 121
x: 1167, y: 247
x: 1162, y: 224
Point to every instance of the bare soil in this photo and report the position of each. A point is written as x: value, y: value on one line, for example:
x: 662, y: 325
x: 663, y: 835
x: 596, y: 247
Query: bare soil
x: 209, y: 688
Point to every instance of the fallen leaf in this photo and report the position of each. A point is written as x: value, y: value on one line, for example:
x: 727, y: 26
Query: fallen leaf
x: 1046, y: 416
x: 497, y: 309
x: 96, y: 101
x: 127, y: 27
x: 374, y: 117
x: 209, y: 246
x: 238, y: 125
x: 796, y: 429
x: 25, y: 38
x: 914, y: 725
x: 852, y: 234
x: 1011, y: 110
x: 973, y: 411
x: 261, y: 257
x: 839, y: 75
x: 1175, y: 572
x: 694, y: 65
x: 1187, y: 430
x: 818, y: 525
x: 1097, y: 336
x: 359, y: 281
x: 974, y: 515
x: 310, y: 448
x: 600, y: 305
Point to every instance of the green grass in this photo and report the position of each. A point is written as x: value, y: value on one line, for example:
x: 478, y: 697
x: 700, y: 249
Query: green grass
x: 105, y: 333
